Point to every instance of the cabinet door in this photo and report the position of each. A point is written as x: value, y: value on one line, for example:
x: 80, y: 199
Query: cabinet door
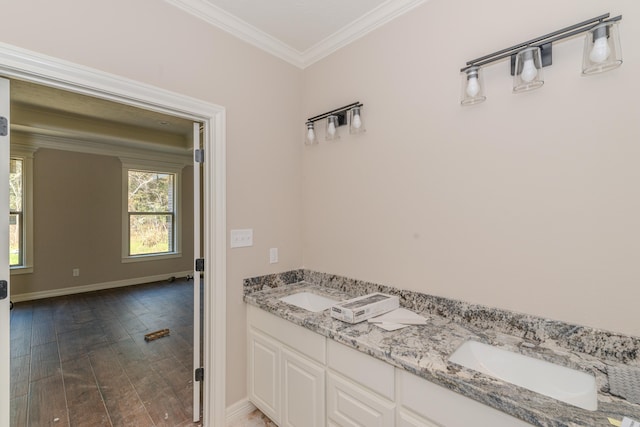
x: 351, y: 405
x: 302, y: 391
x: 264, y: 374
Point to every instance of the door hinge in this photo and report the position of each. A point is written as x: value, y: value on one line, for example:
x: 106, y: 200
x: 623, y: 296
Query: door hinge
x: 4, y: 126
x: 199, y: 374
x: 200, y: 264
x: 4, y: 289
x: 198, y: 156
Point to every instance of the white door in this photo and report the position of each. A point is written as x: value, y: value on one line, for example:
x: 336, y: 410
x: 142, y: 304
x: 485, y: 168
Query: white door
x: 197, y: 362
x: 4, y: 256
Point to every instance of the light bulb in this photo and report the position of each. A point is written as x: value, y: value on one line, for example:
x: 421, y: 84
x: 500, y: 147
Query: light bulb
x: 311, y: 135
x: 356, y: 121
x: 331, y: 129
x: 529, y: 71
x: 601, y: 50
x: 473, y: 87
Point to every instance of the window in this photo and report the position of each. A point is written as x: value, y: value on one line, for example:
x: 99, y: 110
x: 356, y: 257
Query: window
x: 16, y: 213
x: 151, y: 223
x: 20, y: 220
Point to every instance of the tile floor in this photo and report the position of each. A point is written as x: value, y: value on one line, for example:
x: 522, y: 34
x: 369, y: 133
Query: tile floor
x: 254, y: 419
x: 94, y: 343
x: 81, y: 360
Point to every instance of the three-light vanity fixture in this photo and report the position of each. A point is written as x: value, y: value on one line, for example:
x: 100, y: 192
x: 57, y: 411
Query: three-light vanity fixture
x: 351, y: 113
x: 601, y: 53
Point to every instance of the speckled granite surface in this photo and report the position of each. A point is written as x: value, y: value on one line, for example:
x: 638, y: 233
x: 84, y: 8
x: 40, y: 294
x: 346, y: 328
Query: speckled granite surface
x: 424, y: 350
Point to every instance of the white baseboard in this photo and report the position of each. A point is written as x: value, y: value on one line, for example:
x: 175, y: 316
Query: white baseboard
x: 239, y: 409
x: 95, y: 287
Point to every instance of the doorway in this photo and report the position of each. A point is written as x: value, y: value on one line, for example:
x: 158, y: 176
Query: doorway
x: 69, y: 353
x: 44, y: 70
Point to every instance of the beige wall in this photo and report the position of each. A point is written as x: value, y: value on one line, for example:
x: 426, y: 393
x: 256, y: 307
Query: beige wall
x: 153, y: 42
x: 77, y: 221
x: 526, y: 202
x: 456, y: 202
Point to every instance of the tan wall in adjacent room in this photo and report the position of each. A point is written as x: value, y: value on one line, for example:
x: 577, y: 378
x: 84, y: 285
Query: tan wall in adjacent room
x: 77, y: 221
x: 527, y: 202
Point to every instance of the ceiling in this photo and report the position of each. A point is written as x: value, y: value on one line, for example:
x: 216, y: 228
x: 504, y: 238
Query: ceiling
x: 299, y: 31
x: 301, y: 24
x: 63, y: 115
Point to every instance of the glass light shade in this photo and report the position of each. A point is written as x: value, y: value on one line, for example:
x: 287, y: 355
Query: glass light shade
x: 310, y: 135
x: 528, y: 73
x: 332, y: 128
x: 472, y: 87
x: 601, y: 49
x: 355, y: 120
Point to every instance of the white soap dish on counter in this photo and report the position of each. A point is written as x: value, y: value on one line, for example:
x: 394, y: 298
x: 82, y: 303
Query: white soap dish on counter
x: 362, y: 308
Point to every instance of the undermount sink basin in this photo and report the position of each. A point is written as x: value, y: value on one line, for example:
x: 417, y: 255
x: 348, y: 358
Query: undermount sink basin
x: 565, y: 384
x: 309, y: 301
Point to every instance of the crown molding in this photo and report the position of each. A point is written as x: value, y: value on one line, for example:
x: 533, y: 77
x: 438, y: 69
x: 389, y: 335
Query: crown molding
x: 32, y: 141
x: 362, y: 26
x: 240, y: 29
x: 379, y: 16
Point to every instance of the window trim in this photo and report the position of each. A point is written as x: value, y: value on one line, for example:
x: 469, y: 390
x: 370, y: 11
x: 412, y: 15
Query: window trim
x: 151, y: 166
x: 26, y: 155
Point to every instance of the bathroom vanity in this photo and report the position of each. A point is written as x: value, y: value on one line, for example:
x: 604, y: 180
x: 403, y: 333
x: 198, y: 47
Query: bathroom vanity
x: 307, y: 369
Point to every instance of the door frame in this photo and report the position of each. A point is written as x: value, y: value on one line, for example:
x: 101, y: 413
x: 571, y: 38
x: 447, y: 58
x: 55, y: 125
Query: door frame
x: 49, y: 71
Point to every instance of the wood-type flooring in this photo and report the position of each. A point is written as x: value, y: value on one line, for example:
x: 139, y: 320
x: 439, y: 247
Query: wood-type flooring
x: 81, y: 360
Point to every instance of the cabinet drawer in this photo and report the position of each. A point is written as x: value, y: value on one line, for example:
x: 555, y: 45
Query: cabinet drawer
x: 349, y: 405
x: 406, y: 419
x: 307, y: 342
x: 447, y: 408
x: 362, y: 368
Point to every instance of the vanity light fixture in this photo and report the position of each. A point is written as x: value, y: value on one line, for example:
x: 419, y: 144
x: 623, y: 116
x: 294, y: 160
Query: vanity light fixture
x: 472, y: 86
x: 351, y: 113
x: 355, y: 120
x: 310, y: 137
x: 601, y: 53
x: 528, y: 70
x: 331, y: 134
x: 602, y: 49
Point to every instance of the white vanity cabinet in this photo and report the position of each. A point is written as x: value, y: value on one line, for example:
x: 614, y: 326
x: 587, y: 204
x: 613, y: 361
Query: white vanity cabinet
x: 286, y: 373
x: 292, y: 370
x: 360, y: 389
x: 422, y: 403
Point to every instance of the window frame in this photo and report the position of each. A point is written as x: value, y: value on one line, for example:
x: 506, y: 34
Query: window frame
x: 26, y: 156
x: 155, y: 167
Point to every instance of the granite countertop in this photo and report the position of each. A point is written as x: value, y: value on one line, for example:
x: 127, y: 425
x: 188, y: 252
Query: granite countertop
x: 423, y: 350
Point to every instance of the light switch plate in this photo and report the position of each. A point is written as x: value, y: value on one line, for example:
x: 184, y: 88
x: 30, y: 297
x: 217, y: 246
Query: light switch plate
x: 242, y: 238
x: 273, y: 255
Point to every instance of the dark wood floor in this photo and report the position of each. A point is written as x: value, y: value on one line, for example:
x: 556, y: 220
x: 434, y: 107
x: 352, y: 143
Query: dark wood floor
x: 82, y: 360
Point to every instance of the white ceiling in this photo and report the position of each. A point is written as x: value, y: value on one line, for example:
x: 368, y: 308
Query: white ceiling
x: 298, y: 23
x: 298, y: 31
